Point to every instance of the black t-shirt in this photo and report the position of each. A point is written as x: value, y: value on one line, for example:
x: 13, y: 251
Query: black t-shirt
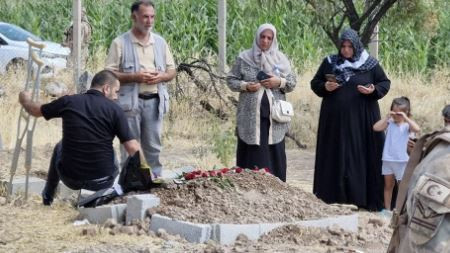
x: 90, y: 123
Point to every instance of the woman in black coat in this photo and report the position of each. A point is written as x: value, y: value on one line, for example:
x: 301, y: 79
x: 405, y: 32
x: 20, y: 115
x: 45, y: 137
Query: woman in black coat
x: 348, y: 153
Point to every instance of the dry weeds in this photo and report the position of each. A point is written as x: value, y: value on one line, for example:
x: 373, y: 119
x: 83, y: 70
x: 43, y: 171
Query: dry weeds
x: 428, y: 97
x: 187, y: 132
x: 187, y: 121
x: 32, y: 227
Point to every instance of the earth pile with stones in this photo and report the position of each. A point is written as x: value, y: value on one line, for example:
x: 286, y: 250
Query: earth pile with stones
x: 246, y: 197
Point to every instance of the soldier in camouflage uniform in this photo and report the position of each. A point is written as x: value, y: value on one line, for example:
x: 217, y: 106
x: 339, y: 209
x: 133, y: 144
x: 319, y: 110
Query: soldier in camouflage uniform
x: 86, y: 32
x: 423, y: 225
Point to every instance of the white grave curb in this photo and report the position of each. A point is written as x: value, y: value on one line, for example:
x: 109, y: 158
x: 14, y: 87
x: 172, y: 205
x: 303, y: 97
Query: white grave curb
x: 227, y: 233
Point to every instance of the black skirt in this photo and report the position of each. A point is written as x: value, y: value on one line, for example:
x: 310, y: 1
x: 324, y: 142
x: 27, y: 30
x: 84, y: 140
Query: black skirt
x: 264, y: 155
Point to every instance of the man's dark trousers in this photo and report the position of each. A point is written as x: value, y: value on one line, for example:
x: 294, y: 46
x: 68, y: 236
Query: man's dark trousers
x: 55, y: 174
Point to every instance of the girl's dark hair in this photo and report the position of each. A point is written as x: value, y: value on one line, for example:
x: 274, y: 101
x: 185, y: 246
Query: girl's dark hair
x: 402, y: 102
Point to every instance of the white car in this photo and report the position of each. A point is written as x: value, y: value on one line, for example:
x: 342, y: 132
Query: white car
x: 14, y: 50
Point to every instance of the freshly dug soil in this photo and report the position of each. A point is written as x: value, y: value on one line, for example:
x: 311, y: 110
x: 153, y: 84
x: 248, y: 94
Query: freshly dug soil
x: 373, y: 236
x: 245, y: 198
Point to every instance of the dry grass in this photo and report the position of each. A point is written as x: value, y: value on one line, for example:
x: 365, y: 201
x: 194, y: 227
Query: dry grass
x: 46, y: 131
x: 187, y: 141
x: 32, y: 227
x: 428, y: 97
x: 189, y: 128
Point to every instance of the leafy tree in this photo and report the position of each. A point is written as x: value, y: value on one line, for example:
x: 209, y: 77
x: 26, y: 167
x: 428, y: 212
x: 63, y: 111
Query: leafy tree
x: 362, y: 16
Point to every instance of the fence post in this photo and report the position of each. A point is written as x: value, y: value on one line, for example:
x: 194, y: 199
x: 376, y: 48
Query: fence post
x: 373, y: 44
x: 222, y: 27
x: 76, y: 11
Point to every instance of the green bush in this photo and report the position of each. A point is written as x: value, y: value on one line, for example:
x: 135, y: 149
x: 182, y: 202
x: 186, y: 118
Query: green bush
x: 224, y: 143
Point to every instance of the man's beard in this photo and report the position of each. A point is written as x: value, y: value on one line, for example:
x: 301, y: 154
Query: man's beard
x: 145, y: 30
x: 110, y: 95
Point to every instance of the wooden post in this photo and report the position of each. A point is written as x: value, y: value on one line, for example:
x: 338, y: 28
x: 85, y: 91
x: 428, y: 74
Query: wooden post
x: 222, y: 27
x: 76, y: 41
x: 373, y: 44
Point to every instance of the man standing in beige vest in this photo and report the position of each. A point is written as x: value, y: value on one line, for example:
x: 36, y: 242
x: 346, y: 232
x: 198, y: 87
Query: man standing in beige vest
x: 143, y: 63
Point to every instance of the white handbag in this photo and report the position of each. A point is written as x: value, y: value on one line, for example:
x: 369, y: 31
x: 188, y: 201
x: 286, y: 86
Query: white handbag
x: 282, y: 111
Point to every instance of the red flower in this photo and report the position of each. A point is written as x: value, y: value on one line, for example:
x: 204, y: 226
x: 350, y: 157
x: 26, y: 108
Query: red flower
x: 189, y: 176
x: 238, y: 170
x: 198, y: 172
x: 212, y: 173
x: 225, y: 170
x: 204, y: 174
x: 219, y: 174
x: 266, y: 170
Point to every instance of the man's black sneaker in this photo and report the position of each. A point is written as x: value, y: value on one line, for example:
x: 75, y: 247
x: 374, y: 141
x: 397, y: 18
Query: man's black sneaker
x: 46, y: 200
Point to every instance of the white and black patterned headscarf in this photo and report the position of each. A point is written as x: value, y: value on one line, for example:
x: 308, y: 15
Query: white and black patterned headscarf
x: 266, y: 60
x: 360, y: 62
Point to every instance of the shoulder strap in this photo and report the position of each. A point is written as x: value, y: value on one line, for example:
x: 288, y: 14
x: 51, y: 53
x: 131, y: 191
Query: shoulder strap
x: 422, y: 147
x: 442, y: 136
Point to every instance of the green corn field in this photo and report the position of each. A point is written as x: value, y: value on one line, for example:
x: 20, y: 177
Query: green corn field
x: 413, y: 36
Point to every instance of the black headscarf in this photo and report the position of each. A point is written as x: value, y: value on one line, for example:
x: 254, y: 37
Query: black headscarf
x: 360, y: 62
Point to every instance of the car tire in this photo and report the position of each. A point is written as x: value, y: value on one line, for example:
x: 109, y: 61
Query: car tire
x: 16, y: 65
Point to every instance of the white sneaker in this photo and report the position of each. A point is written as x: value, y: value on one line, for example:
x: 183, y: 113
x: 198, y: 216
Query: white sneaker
x: 385, y: 213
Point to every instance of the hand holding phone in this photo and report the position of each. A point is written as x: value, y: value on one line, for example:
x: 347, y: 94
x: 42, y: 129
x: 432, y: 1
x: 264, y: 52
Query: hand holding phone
x: 366, y: 88
x: 331, y: 78
x: 262, y: 76
x: 331, y: 83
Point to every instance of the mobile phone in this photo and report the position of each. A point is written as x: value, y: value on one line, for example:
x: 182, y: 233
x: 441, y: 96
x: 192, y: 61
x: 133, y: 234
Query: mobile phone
x: 331, y: 77
x: 367, y: 85
x: 262, y: 76
x: 414, y: 139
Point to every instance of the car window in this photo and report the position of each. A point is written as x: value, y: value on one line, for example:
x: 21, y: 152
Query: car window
x: 2, y: 42
x: 16, y: 33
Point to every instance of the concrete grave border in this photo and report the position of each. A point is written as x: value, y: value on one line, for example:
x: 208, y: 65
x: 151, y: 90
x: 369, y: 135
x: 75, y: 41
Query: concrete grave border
x: 35, y: 185
x: 227, y: 233
x: 137, y: 206
x: 134, y: 209
x: 101, y: 214
x: 193, y: 232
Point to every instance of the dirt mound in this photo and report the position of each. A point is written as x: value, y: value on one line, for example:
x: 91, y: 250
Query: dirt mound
x: 372, y: 237
x: 247, y: 197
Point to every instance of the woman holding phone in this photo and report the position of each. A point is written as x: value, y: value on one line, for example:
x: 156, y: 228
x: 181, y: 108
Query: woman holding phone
x: 260, y: 75
x: 348, y: 152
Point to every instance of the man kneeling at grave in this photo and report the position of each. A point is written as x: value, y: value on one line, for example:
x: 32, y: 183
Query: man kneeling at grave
x: 84, y: 159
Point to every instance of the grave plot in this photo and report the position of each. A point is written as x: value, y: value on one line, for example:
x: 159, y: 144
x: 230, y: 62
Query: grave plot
x: 221, y: 205
x: 241, y: 198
